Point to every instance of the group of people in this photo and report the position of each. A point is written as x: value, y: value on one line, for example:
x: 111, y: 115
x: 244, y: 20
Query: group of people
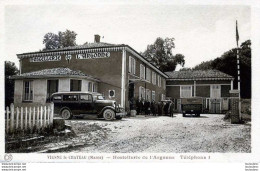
x: 162, y: 108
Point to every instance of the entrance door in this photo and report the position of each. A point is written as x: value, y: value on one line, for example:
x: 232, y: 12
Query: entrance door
x: 52, y: 87
x: 131, y: 93
x: 215, y: 106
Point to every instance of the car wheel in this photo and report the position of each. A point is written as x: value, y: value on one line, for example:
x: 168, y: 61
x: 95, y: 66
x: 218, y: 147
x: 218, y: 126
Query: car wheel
x: 198, y: 115
x: 183, y: 115
x: 109, y: 114
x: 66, y: 114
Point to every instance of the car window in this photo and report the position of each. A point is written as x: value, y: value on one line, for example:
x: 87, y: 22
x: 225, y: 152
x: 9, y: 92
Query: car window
x: 57, y: 98
x: 70, y: 97
x: 85, y: 97
x: 98, y: 97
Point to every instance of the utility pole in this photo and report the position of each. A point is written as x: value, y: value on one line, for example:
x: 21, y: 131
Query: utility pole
x: 238, y: 73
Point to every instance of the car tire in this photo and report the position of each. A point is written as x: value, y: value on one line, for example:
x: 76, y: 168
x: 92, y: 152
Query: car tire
x: 66, y: 114
x: 183, y: 115
x: 109, y: 114
x: 198, y: 115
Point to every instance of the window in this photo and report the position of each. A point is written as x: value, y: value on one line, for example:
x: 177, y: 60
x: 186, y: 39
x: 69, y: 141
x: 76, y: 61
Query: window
x: 112, y: 93
x: 164, y: 83
x: 70, y: 97
x: 215, y: 91
x: 75, y: 85
x: 154, y: 78
x: 141, y: 92
x: 90, y: 86
x: 132, y: 65
x: 94, y: 87
x: 163, y: 97
x: 85, y: 97
x: 186, y: 91
x: 142, y: 72
x: 28, y: 91
x: 148, y: 74
x: 159, y: 81
x: 148, y: 95
x: 153, y: 95
x: 52, y: 87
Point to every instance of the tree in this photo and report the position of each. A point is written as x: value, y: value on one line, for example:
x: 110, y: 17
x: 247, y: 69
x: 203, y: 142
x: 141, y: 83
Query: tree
x: 67, y: 38
x: 60, y: 40
x: 160, y: 54
x: 51, y: 41
x: 10, y: 70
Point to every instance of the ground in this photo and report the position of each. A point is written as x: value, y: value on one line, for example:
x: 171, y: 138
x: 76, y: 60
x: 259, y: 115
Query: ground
x: 208, y: 133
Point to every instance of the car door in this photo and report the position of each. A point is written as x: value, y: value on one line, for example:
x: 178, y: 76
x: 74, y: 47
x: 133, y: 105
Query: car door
x: 72, y: 102
x: 86, y: 104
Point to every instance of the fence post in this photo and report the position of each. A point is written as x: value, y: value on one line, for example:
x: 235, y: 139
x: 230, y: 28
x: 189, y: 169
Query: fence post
x: 33, y: 117
x: 12, y: 118
x: 48, y: 116
x: 44, y: 117
x: 26, y: 117
x: 7, y: 119
x: 38, y: 118
x: 30, y: 119
x: 21, y: 118
x: 17, y: 118
x: 41, y: 116
x: 52, y: 113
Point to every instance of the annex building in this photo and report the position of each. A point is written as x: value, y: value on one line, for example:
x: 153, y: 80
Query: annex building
x: 212, y: 85
x: 115, y: 70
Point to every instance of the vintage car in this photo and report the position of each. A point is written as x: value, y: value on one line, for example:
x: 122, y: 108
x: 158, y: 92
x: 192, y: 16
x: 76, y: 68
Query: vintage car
x: 69, y: 104
x: 191, y: 105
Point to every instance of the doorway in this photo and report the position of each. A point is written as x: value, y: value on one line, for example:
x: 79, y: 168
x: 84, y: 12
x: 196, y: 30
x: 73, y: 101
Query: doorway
x: 52, y: 87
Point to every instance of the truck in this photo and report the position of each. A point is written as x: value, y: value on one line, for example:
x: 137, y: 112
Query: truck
x: 191, y: 106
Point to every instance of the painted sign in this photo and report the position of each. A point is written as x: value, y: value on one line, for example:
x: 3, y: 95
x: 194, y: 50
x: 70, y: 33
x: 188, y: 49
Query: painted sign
x: 45, y: 58
x: 93, y: 55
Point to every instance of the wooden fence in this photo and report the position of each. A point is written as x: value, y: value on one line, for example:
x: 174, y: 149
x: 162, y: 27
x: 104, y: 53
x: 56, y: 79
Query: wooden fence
x: 28, y: 119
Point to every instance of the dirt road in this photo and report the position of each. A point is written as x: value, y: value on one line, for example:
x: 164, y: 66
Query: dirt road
x: 208, y: 133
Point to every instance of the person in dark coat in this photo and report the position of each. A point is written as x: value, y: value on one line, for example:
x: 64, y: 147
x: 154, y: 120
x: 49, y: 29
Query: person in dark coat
x: 166, y: 108
x: 137, y: 107
x: 163, y: 111
x: 171, y: 107
x: 147, y: 107
x: 142, y: 109
x: 160, y: 108
x: 155, y: 109
x: 152, y: 108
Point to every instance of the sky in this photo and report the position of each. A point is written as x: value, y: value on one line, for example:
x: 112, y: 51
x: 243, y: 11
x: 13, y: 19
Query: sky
x: 201, y: 32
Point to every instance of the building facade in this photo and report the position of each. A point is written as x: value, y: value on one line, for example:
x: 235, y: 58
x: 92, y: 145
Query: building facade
x: 212, y: 85
x: 116, y: 71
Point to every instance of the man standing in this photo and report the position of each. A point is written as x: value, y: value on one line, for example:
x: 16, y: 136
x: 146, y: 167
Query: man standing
x: 171, y: 107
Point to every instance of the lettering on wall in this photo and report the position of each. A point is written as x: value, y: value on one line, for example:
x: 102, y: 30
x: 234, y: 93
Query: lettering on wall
x: 93, y: 55
x: 45, y: 58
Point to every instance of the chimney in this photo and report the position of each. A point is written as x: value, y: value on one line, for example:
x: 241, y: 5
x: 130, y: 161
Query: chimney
x: 97, y: 38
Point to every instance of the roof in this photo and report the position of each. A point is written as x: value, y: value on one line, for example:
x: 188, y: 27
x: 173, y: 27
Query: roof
x: 198, y: 75
x: 90, y: 47
x: 54, y: 72
x: 84, y: 46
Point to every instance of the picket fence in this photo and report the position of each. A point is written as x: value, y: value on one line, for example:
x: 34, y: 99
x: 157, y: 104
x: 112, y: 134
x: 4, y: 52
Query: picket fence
x: 28, y: 119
